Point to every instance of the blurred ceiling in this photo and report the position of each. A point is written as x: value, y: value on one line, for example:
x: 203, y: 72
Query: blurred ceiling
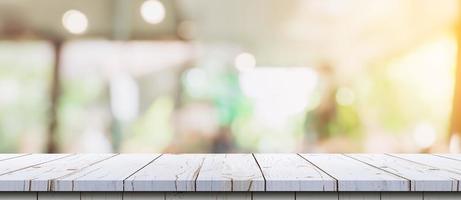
x: 289, y: 32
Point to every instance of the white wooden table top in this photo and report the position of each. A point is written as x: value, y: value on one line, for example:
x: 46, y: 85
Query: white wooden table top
x: 230, y: 172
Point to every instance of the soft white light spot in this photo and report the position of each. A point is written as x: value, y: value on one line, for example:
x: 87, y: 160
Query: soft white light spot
x: 152, y: 11
x: 345, y: 96
x: 75, y: 21
x: 245, y: 62
x: 124, y: 97
x: 424, y: 135
x: 196, y: 81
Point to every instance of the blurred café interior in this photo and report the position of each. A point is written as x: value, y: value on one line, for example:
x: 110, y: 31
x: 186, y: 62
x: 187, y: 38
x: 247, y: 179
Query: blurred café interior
x: 197, y: 76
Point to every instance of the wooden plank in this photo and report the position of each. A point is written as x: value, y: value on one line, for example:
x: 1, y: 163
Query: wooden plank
x: 290, y: 172
x: 401, y: 196
x: 442, y: 196
x: 58, y: 196
x: 170, y: 172
x: 451, y: 156
x: 359, y: 196
x: 422, y: 177
x: 18, y: 196
x: 101, y: 196
x: 143, y: 196
x: 353, y: 175
x: 274, y: 196
x: 11, y: 165
x: 37, y: 178
x: 208, y: 196
x: 107, y: 175
x: 10, y: 156
x: 230, y: 172
x: 317, y: 195
x: 436, y: 162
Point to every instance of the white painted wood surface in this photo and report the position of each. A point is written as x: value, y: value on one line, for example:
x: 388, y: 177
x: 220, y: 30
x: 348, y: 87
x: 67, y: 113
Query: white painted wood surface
x: 104, y: 176
x: 37, y: 178
x: 169, y: 172
x: 451, y: 156
x: 353, y: 175
x: 15, y: 164
x: 290, y: 172
x: 436, y: 162
x: 230, y: 172
x: 422, y: 177
x: 10, y: 156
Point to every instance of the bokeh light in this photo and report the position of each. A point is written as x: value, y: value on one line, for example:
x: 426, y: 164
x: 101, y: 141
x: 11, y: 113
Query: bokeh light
x: 153, y: 11
x: 245, y: 62
x: 424, y: 135
x: 75, y: 21
x: 345, y: 96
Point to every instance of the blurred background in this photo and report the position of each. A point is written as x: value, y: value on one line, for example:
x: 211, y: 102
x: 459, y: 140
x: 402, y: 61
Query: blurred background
x: 230, y: 76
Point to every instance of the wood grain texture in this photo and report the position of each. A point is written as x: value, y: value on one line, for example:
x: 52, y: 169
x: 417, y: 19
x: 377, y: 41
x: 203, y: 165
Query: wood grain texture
x: 170, y: 172
x: 230, y: 172
x: 353, y: 175
x: 290, y: 172
x: 401, y: 196
x: 208, y: 196
x: 422, y: 177
x: 436, y: 162
x: 451, y: 156
x: 59, y: 196
x: 274, y: 196
x: 23, y: 162
x: 37, y: 178
x: 433, y: 161
x: 107, y: 175
x: 10, y: 156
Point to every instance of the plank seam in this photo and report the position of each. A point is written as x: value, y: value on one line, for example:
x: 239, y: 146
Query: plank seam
x: 123, y: 182
x: 445, y: 157
x: 261, y: 170
x: 197, y: 172
x: 22, y: 155
x: 409, y: 181
x: 50, y: 182
x: 336, y: 180
x: 424, y: 164
x: 36, y: 164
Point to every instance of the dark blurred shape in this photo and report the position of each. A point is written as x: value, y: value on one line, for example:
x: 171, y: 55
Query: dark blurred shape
x: 223, y: 141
